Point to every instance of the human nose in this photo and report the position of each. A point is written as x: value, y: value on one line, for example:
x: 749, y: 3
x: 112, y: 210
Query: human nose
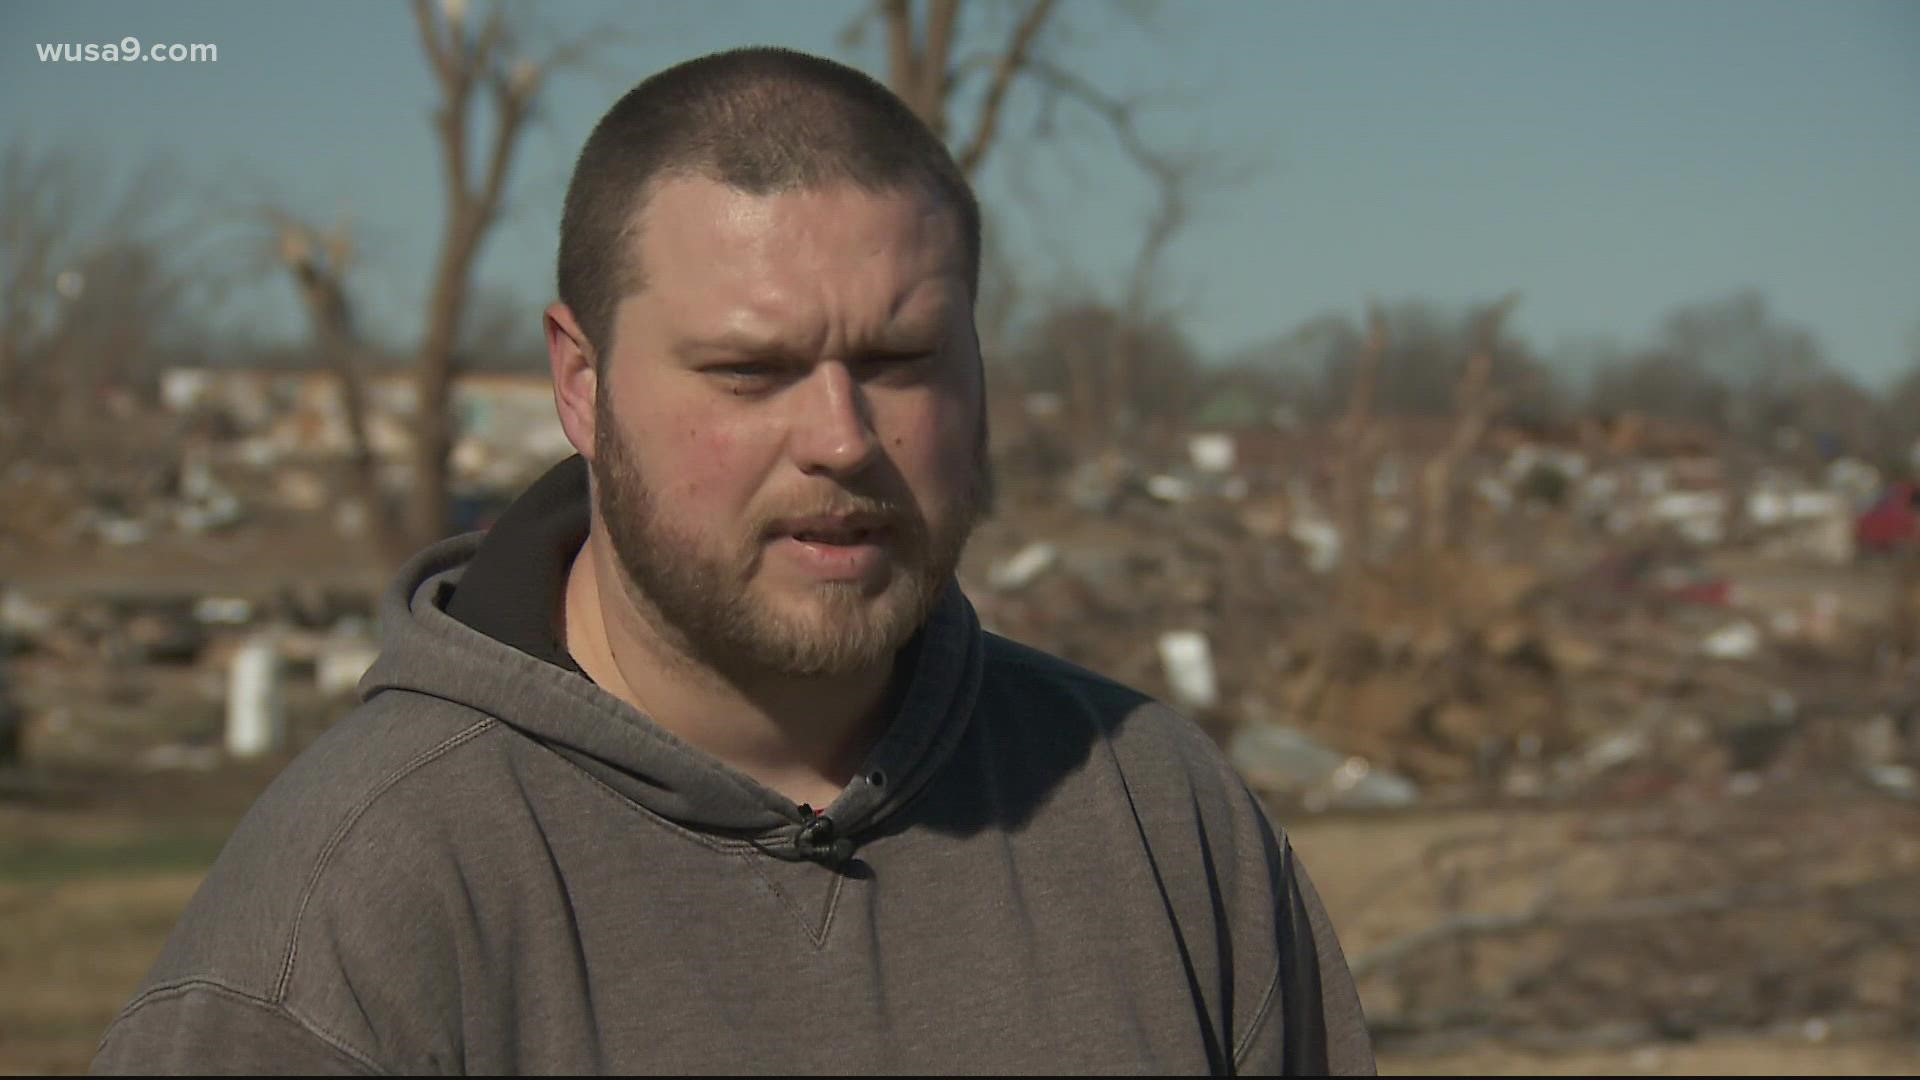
x: 834, y: 434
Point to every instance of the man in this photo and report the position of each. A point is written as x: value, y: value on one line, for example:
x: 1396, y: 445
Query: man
x: 699, y: 761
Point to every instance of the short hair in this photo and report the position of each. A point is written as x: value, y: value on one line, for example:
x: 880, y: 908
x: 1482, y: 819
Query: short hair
x: 760, y: 120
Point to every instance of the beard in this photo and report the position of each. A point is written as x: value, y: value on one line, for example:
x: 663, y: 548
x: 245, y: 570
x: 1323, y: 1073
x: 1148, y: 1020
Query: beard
x: 700, y: 594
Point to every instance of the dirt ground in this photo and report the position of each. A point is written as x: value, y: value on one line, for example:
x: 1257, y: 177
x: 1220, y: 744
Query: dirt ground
x: 1364, y: 869
x: 94, y: 868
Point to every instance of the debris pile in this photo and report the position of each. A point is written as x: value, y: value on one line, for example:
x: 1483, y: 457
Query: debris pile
x: 1628, y: 627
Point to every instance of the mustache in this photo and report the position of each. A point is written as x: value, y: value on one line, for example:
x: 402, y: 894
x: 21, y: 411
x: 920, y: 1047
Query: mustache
x: 899, y: 518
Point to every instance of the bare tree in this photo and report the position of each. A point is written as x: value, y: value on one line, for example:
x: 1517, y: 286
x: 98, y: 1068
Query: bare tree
x: 1476, y: 401
x: 1360, y: 442
x: 468, y: 63
x: 1180, y: 179
x: 930, y: 70
x: 95, y: 279
x: 33, y: 233
x: 924, y: 69
x: 1901, y: 407
x: 489, y: 85
x: 1067, y: 351
x: 318, y: 261
x: 1656, y: 382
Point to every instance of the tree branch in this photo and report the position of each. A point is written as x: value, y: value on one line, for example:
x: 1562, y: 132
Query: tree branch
x: 437, y: 57
x: 511, y: 106
x: 1011, y: 62
x: 1116, y: 111
x: 319, y: 264
x: 902, y: 65
x: 934, y: 55
x: 452, y: 65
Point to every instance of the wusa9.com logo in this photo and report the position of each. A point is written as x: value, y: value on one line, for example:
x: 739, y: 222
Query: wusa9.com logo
x: 128, y: 48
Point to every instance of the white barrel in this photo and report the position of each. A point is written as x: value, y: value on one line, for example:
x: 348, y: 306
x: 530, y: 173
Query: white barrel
x: 256, y: 721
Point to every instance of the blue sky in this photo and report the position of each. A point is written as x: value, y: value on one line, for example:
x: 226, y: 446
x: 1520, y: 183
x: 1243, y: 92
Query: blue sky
x: 1610, y: 160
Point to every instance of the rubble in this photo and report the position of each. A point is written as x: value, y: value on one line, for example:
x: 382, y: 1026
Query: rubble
x: 244, y: 447
x: 10, y: 724
x: 340, y: 661
x: 1609, y: 624
x: 1287, y: 763
x: 1618, y: 614
x: 225, y: 610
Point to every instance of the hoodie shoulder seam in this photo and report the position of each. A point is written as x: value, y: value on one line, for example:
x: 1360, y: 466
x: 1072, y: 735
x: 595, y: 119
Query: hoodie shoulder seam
x: 352, y: 818
x: 182, y: 987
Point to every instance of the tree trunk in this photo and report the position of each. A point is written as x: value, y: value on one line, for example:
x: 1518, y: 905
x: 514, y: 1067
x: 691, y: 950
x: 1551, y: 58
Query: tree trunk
x: 434, y: 368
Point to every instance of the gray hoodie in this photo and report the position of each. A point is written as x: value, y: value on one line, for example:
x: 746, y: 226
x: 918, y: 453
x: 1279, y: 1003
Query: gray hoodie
x: 493, y: 866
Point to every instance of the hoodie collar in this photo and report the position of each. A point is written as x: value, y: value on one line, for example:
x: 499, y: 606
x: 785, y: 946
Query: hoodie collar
x: 511, y: 590
x: 513, y: 580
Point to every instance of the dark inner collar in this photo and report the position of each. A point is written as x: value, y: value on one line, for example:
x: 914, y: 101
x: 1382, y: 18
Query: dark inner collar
x: 512, y: 590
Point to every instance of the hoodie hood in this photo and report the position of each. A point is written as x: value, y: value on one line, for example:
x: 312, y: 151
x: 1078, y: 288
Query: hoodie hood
x: 427, y: 651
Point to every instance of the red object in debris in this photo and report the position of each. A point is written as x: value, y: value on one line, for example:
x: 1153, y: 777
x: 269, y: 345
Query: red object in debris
x: 1718, y: 592
x: 1890, y: 522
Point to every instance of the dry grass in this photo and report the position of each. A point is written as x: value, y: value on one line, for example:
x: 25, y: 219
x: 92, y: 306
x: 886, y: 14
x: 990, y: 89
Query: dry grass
x: 1746, y: 1056
x: 72, y: 954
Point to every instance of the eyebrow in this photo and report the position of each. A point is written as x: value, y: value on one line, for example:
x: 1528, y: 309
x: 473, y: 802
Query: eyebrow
x: 737, y: 344
x: 907, y: 337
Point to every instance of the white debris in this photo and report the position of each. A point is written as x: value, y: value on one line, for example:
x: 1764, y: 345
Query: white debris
x: 1616, y: 749
x: 1853, y: 479
x: 1897, y: 779
x: 1169, y: 488
x: 1023, y: 567
x: 1675, y: 506
x: 340, y: 665
x: 183, y: 388
x: 124, y: 532
x: 1189, y: 665
x: 1777, y: 507
x: 1212, y: 452
x: 256, y: 716
x: 230, y: 610
x: 19, y: 615
x: 1736, y: 641
x: 1321, y: 539
x: 1282, y: 759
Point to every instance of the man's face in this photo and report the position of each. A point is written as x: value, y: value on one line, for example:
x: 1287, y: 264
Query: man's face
x: 790, y: 436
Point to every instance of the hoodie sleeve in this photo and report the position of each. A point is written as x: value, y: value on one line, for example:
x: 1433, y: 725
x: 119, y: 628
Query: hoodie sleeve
x: 1348, y: 1046
x: 1311, y: 1023
x: 207, y: 1029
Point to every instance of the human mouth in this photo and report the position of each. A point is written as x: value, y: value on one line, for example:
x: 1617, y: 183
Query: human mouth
x: 834, y: 547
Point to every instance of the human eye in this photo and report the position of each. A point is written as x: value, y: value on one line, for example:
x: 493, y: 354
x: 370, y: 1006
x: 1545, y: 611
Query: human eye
x: 903, y: 364
x: 747, y: 376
